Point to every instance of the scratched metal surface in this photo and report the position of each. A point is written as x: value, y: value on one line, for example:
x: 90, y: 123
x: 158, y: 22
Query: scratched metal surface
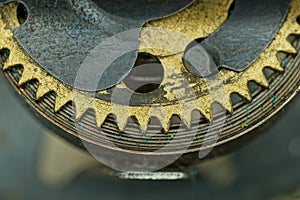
x: 66, y: 31
x: 266, y: 167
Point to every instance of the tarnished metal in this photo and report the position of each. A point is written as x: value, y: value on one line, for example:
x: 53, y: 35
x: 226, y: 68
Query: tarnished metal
x: 245, y: 118
x: 74, y: 28
x: 167, y: 103
x: 247, y: 33
x: 60, y: 34
x: 238, y: 42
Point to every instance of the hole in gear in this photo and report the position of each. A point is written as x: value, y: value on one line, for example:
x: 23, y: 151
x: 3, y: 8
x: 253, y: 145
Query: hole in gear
x: 147, y: 74
x: 22, y: 13
x: 231, y: 9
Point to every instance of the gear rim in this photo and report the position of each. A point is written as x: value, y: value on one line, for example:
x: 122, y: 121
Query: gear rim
x: 295, y: 31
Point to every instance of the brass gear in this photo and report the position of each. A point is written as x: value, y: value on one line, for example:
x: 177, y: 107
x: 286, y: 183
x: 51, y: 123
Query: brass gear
x: 36, y: 92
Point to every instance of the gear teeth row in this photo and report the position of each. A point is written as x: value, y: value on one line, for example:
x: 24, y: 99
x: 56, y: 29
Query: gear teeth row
x: 143, y: 115
x: 267, y: 59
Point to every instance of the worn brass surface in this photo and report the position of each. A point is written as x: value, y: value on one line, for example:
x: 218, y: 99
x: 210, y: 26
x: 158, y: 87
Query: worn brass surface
x: 210, y: 18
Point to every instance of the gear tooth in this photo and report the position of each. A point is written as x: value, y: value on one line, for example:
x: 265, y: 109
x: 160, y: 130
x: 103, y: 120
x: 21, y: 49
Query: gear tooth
x: 61, y: 100
x: 102, y: 111
x: 16, y: 57
x: 143, y: 124
x: 288, y: 47
x: 42, y: 90
x: 142, y: 115
x: 186, y: 113
x: 206, y: 114
x: 205, y: 110
x: 30, y: 72
x: 166, y: 122
x: 164, y: 114
x: 277, y: 67
x: 8, y: 64
x: 245, y: 93
x: 100, y: 119
x: 44, y: 87
x: 272, y: 63
x: 121, y: 122
x: 63, y: 96
x: 11, y: 61
x: 80, y: 111
x: 186, y: 118
x: 82, y: 104
x: 261, y: 79
x: 227, y: 104
x: 122, y: 114
x: 25, y: 77
x: 223, y: 98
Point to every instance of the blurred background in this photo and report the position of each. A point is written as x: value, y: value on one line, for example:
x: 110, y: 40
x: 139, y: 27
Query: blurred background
x: 34, y: 165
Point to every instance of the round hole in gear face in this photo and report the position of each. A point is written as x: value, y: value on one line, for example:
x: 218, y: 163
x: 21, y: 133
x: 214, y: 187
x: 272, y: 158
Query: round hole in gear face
x: 147, y: 74
x: 22, y: 13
